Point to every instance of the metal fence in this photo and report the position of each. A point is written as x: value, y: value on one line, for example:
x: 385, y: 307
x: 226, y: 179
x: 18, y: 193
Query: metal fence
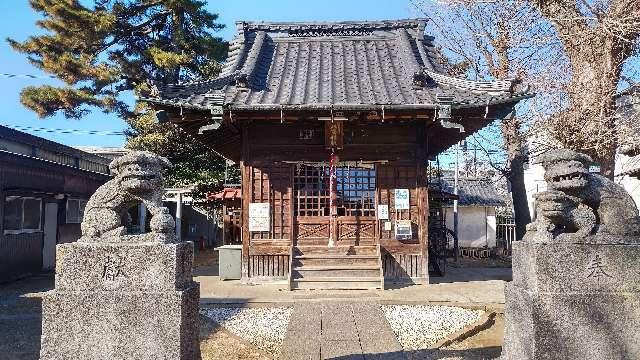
x: 505, y: 231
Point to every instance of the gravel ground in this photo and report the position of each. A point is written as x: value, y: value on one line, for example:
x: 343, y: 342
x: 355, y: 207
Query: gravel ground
x: 263, y: 327
x: 419, y: 327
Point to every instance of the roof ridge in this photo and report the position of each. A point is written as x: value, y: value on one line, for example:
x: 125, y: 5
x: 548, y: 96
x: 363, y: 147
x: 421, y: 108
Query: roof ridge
x: 367, y: 24
x: 219, y: 78
x: 503, y: 85
x: 45, y: 144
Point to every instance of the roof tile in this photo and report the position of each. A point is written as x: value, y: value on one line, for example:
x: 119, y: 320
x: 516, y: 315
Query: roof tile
x: 325, y: 64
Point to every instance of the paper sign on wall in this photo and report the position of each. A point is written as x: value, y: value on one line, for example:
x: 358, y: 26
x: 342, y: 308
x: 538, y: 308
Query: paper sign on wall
x: 259, y: 218
x: 402, y: 199
x: 387, y: 226
x: 403, y: 230
x: 383, y: 212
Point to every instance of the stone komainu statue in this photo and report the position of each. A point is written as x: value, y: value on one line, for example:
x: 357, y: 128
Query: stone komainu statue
x: 137, y: 179
x: 578, y: 203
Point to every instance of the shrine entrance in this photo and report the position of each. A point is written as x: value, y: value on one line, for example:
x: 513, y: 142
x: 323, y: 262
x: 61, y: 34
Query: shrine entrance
x: 332, y: 125
x: 350, y: 219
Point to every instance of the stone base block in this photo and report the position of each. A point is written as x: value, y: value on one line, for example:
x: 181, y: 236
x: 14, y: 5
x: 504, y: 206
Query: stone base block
x: 580, y: 326
x: 147, y: 267
x: 581, y: 268
x: 109, y: 325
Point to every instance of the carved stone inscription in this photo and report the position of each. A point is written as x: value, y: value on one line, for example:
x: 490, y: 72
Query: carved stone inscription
x: 596, y: 268
x: 112, y: 268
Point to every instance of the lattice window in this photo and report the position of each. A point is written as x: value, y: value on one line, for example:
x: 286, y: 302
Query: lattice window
x: 355, y: 187
x: 311, y: 187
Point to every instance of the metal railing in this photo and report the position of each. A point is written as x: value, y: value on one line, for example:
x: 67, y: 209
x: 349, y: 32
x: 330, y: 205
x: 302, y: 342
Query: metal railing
x: 505, y: 232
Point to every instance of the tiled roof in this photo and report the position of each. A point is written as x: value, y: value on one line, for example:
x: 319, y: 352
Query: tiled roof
x: 22, y: 143
x: 631, y: 167
x: 345, y: 65
x: 225, y: 194
x: 473, y: 191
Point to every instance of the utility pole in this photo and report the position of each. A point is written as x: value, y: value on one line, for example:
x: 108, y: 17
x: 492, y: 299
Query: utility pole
x: 456, y: 247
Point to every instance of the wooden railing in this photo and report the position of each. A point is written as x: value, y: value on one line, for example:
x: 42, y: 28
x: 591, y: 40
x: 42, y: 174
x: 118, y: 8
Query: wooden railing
x: 290, y: 277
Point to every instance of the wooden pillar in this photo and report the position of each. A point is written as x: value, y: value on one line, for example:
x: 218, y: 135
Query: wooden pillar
x: 333, y: 200
x: 225, y: 222
x: 424, y: 239
x: 247, y: 183
x: 423, y: 187
x: 292, y: 228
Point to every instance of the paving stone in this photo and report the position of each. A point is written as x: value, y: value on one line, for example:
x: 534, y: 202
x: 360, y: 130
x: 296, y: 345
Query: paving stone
x: 301, y: 349
x: 338, y: 322
x: 303, y: 333
x: 342, y: 350
x: 377, y: 339
x: 347, y: 330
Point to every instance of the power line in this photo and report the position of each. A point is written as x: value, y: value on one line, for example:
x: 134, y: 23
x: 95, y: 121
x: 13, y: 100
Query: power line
x: 65, y: 131
x: 26, y: 76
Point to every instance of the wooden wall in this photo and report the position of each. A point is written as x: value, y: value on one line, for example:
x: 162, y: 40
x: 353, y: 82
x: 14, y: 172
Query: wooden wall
x: 266, y: 254
x: 269, y: 150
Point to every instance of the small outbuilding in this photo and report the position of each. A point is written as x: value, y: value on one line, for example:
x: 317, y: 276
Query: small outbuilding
x: 477, y: 202
x: 229, y: 202
x: 44, y: 187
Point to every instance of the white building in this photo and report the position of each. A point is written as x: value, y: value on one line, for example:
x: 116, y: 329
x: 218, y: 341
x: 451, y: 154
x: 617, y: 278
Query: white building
x: 478, y: 200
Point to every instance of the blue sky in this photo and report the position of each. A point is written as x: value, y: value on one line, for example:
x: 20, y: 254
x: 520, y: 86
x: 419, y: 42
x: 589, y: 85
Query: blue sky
x: 19, y: 22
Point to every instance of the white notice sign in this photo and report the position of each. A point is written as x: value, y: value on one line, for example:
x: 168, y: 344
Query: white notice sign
x: 403, y: 230
x: 402, y: 199
x: 383, y: 212
x: 259, y: 218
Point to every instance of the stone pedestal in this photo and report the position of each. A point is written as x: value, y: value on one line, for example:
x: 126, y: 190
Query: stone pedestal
x: 122, y: 301
x: 574, y: 301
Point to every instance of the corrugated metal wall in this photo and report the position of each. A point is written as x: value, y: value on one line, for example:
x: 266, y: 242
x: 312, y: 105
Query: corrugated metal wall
x: 20, y: 254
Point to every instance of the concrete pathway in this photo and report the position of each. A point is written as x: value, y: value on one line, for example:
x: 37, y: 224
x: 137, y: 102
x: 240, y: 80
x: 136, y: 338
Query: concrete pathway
x: 21, y: 317
x: 468, y: 287
x: 339, y: 330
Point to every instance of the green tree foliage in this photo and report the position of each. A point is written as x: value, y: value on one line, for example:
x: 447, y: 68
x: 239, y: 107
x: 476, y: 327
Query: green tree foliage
x: 115, y: 47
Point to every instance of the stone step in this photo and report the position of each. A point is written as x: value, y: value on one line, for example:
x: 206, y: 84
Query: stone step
x: 335, y: 256
x: 337, y: 283
x: 343, y: 270
x: 335, y: 260
x: 337, y: 250
x: 341, y: 243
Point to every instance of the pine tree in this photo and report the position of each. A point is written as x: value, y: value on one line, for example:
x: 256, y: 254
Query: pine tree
x: 118, y: 47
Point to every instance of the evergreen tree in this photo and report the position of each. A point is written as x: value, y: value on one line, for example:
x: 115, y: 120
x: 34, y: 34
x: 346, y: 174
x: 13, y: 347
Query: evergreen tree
x: 117, y: 47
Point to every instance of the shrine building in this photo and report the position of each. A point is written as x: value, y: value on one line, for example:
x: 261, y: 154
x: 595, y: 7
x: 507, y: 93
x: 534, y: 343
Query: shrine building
x: 332, y: 125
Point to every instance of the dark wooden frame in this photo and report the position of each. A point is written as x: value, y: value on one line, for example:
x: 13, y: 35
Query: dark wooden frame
x: 400, y: 141
x: 268, y: 164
